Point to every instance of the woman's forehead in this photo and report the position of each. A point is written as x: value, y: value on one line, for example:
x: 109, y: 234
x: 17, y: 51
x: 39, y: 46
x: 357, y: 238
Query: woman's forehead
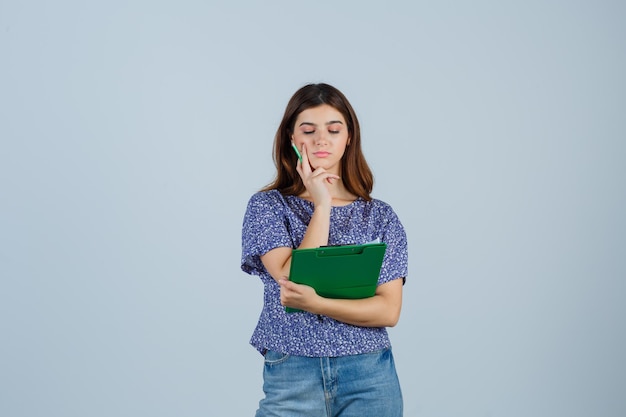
x: 323, y: 114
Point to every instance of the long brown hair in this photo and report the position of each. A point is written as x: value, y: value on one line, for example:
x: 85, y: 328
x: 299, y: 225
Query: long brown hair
x: 355, y: 173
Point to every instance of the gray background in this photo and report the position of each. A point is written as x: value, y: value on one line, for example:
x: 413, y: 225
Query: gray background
x: 133, y: 134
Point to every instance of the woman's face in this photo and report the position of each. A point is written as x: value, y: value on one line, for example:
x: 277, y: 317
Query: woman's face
x: 324, y: 132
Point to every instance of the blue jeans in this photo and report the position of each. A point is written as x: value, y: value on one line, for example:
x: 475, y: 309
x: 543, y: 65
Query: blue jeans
x: 347, y: 386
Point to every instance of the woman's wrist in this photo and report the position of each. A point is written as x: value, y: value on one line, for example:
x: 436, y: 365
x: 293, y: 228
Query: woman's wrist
x: 323, y: 207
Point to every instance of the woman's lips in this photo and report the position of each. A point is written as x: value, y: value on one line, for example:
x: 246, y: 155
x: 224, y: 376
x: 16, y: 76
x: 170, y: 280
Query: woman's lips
x: 321, y: 154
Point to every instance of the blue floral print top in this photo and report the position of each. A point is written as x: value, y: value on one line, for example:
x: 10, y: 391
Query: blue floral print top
x: 273, y: 220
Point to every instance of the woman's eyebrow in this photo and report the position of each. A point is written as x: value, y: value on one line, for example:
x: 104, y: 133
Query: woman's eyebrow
x: 332, y: 122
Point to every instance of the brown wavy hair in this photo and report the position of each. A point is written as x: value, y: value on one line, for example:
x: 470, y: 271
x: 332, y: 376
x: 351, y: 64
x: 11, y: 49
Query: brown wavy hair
x: 355, y: 173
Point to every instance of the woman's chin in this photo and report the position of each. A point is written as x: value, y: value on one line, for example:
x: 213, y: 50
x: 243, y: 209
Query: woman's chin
x: 326, y: 166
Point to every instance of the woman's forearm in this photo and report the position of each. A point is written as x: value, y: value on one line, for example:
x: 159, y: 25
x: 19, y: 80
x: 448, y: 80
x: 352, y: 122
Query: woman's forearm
x: 319, y: 226
x: 278, y: 260
x: 381, y: 310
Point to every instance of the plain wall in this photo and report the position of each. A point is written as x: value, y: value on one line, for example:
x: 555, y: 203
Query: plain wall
x: 132, y: 134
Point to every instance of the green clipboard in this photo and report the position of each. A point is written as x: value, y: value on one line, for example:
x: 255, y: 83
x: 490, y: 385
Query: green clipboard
x: 349, y: 271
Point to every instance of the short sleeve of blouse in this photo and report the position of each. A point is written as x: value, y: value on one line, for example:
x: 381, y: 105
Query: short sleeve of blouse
x: 264, y: 228
x: 395, y: 262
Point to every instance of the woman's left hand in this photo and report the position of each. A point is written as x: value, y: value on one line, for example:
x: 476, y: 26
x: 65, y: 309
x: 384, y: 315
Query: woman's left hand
x: 297, y: 296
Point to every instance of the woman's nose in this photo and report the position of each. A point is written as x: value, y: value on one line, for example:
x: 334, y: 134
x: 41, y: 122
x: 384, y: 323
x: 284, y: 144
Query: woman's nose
x: 320, y: 138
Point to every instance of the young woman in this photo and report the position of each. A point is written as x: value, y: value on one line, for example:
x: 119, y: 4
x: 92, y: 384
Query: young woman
x: 333, y: 358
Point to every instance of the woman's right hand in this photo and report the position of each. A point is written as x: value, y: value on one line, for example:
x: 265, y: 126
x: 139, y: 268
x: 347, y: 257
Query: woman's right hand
x: 316, y: 181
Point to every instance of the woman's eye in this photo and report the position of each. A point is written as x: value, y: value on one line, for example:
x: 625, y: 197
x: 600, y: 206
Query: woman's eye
x: 309, y: 132
x: 334, y: 132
